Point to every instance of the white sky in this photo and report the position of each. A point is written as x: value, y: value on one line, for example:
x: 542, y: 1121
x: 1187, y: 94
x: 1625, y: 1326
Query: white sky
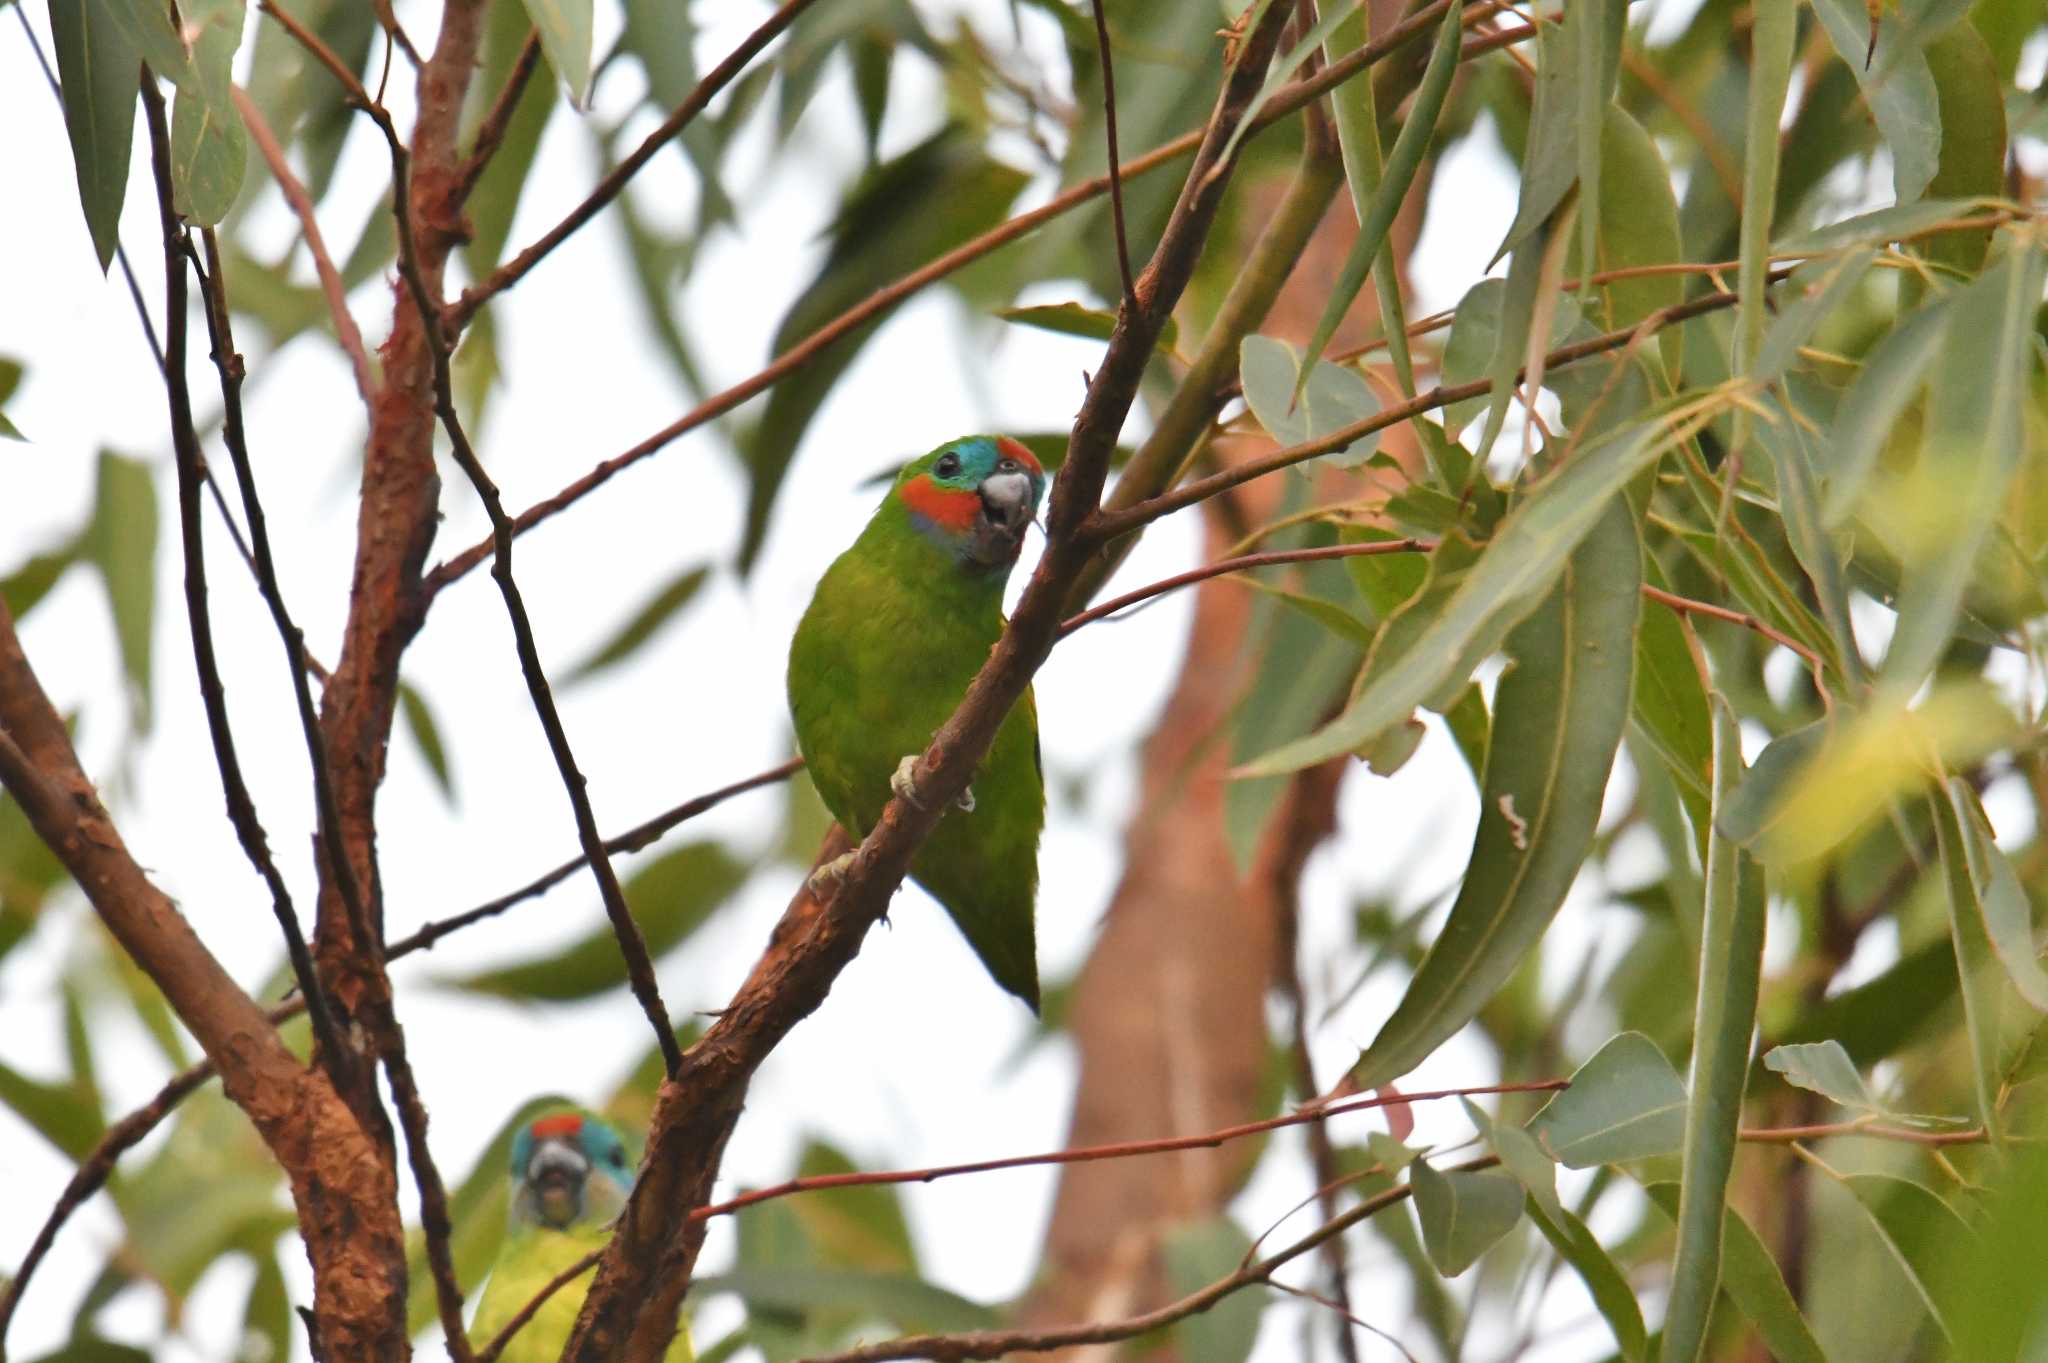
x: 896, y: 1077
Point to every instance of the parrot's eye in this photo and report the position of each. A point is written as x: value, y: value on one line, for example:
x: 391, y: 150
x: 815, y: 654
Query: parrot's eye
x: 948, y: 465
x: 1008, y: 466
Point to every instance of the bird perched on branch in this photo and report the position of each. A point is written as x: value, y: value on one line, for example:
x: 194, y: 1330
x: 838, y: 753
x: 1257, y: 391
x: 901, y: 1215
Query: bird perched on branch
x: 570, y: 1173
x: 898, y: 627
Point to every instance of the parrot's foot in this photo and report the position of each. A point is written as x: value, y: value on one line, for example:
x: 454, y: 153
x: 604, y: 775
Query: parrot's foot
x: 830, y: 874
x: 902, y: 783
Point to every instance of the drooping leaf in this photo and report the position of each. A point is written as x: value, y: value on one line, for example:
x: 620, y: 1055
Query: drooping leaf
x: 1724, y: 1016
x: 670, y: 898
x: 666, y: 602
x: 419, y: 722
x: 121, y: 543
x: 1916, y: 1228
x: 1463, y: 1214
x: 2001, y: 900
x: 1625, y: 1103
x: 855, y: 1226
x: 1977, y: 966
x: 1770, y: 74
x: 209, y: 145
x: 564, y: 27
x: 1638, y: 227
x: 1973, y: 138
x: 1403, y: 161
x: 1897, y: 86
x: 1605, y: 1283
x: 1752, y: 1280
x: 1550, y: 158
x: 1558, y: 717
x: 1974, y: 444
x: 97, y: 66
x: 1475, y: 330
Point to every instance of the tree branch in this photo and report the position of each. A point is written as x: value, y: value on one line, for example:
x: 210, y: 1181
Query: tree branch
x: 1116, y: 182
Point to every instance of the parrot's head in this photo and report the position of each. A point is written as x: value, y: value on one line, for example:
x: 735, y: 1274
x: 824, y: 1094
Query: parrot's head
x: 973, y: 497
x: 569, y: 1168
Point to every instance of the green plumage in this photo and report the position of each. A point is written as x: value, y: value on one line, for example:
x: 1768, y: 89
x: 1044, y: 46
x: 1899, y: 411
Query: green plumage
x: 528, y: 1261
x: 896, y: 631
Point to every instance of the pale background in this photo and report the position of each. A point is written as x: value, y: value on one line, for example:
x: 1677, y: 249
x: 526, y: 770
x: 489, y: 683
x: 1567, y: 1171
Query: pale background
x: 913, y: 1059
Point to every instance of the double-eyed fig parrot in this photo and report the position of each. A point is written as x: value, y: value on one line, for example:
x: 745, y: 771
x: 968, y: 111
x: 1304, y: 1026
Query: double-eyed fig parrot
x: 898, y: 627
x: 570, y: 1176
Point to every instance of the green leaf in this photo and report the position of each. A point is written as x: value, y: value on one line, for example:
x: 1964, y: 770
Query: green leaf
x: 1294, y: 412
x: 1402, y: 164
x: 1670, y: 704
x: 31, y: 582
x: 1638, y: 227
x: 121, y: 543
x: 1550, y: 156
x: 1759, y: 801
x: 1812, y: 294
x: 856, y: 1226
x: 2002, y: 901
x: 1916, y: 1228
x: 1626, y: 1103
x: 1770, y: 73
x: 1974, y: 444
x: 1462, y: 1214
x: 1558, y: 716
x: 150, y: 31
x: 493, y: 204
x: 900, y: 215
x: 1750, y: 1277
x: 66, y: 1115
x: 1876, y: 227
x: 1973, y: 138
x: 1897, y: 87
x: 1076, y: 319
x: 209, y: 146
x: 1511, y: 336
x: 1785, y: 440
x: 1475, y: 332
x: 1976, y: 964
x: 670, y: 897
x: 1596, y: 30
x: 1731, y: 966
x: 1870, y: 410
x: 1522, y: 1157
x: 564, y: 27
x: 267, y: 1316
x: 905, y: 1302
x: 1823, y: 1067
x: 1194, y: 1256
x: 97, y: 66
x: 1605, y: 1283
x: 419, y: 722
x: 1527, y: 554
x: 667, y: 601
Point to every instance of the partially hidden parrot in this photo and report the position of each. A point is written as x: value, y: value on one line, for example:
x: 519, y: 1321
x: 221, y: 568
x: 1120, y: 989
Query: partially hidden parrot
x: 898, y: 627
x: 570, y: 1175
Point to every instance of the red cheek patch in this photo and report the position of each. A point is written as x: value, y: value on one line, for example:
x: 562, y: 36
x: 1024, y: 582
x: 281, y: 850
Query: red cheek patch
x: 1020, y: 452
x: 561, y: 1124
x: 948, y: 508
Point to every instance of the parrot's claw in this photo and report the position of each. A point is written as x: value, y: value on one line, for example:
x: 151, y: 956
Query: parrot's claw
x: 830, y: 874
x: 902, y: 783
x: 965, y: 804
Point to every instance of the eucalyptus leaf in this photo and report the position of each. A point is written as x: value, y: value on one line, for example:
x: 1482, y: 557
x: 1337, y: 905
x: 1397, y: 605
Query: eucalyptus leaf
x: 1626, y: 1103
x: 96, y: 63
x: 1463, y: 1214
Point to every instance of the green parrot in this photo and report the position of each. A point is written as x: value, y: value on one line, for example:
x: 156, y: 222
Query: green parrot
x: 898, y: 627
x: 570, y: 1176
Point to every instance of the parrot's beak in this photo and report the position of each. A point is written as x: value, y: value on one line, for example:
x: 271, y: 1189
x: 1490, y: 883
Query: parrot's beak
x: 555, y: 1178
x: 1008, y: 502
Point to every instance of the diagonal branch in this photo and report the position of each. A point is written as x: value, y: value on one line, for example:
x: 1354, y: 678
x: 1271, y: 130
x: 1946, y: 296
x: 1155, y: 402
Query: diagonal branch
x: 1116, y: 180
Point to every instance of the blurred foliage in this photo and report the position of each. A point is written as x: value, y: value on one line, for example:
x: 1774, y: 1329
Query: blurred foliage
x: 1850, y: 472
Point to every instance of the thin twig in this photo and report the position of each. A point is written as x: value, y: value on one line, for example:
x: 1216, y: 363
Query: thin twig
x: 241, y: 807
x: 1238, y: 565
x: 1116, y: 182
x: 632, y: 840
x: 1864, y: 1126
x: 1286, y: 101
x: 1743, y: 618
x: 1341, y: 1309
x: 990, y: 1344
x: 1118, y: 1150
x: 512, y: 271
x: 346, y: 332
x: 491, y: 132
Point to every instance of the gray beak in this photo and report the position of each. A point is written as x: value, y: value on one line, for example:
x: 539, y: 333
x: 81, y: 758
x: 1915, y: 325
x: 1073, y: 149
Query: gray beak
x: 554, y: 1178
x: 1007, y: 503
